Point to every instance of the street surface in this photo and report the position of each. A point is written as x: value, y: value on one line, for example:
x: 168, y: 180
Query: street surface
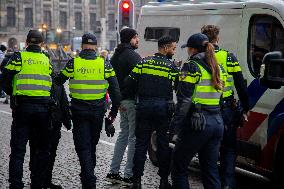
x: 67, y: 169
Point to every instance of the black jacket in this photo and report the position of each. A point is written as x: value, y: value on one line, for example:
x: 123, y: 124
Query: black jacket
x: 154, y: 85
x: 123, y: 62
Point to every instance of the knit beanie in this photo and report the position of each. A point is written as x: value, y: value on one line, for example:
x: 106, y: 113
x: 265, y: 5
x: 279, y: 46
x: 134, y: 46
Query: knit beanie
x: 127, y: 34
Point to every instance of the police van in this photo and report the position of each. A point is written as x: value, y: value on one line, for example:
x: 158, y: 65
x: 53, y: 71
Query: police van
x: 252, y: 29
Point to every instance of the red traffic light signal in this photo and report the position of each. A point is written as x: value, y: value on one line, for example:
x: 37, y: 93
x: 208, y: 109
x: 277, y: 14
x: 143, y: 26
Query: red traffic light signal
x: 125, y: 6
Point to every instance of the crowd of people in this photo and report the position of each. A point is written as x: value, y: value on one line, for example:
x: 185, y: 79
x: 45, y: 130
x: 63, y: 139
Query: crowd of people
x: 203, y: 121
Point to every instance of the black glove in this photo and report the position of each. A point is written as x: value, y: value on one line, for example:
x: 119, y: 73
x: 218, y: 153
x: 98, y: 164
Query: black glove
x: 109, y: 128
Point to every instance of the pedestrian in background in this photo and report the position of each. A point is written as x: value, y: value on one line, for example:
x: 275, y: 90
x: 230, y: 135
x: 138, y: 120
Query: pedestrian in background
x: 4, y: 62
x: 153, y: 78
x: 231, y: 117
x: 27, y: 78
x: 2, y: 56
x: 3, y: 49
x: 104, y: 54
x: 90, y: 77
x: 197, y: 122
x: 123, y: 62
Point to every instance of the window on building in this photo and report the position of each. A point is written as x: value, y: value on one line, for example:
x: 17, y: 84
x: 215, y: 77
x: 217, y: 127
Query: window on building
x: 11, y: 17
x: 63, y: 0
x: 47, y: 18
x: 111, y: 22
x: 111, y: 2
x: 78, y: 1
x: 78, y: 20
x: 93, y: 21
x: 155, y: 33
x: 29, y: 17
x: 93, y: 1
x: 112, y: 44
x: 266, y: 34
x: 63, y: 19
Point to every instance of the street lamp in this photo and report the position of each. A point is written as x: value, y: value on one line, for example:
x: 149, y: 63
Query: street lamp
x: 43, y: 28
x: 58, y: 30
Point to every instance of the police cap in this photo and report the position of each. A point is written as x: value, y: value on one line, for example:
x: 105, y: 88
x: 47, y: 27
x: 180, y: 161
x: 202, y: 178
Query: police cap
x: 196, y: 41
x: 35, y: 37
x: 89, y: 38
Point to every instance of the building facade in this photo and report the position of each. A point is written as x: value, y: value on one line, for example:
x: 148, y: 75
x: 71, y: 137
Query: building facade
x: 73, y: 17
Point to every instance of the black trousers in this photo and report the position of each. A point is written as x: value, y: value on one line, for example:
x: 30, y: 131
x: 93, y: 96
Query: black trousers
x: 29, y: 121
x: 87, y: 125
x: 54, y: 135
x: 152, y: 115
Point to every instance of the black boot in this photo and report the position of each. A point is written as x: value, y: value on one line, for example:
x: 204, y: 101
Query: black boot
x: 52, y: 186
x: 164, y: 184
x: 136, y: 183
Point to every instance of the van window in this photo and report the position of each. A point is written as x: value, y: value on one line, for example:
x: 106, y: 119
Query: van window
x: 266, y: 34
x: 155, y: 33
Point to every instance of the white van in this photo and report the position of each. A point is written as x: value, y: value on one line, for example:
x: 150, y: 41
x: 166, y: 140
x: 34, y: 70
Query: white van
x: 250, y: 29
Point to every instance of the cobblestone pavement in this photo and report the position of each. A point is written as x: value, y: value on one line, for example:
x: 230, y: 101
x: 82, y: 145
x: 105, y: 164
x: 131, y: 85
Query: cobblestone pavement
x: 66, y: 169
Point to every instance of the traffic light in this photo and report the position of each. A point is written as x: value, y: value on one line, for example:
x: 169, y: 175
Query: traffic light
x: 125, y: 14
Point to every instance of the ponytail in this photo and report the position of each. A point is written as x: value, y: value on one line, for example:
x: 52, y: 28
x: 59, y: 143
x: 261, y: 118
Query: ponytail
x: 212, y: 61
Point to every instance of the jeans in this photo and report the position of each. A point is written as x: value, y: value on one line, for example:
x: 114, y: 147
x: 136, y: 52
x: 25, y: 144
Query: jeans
x: 29, y: 121
x: 206, y: 143
x: 152, y: 115
x: 125, y: 138
x: 228, y: 151
x: 87, y: 126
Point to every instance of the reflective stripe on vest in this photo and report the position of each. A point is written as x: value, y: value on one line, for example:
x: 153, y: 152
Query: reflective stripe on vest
x: 221, y: 56
x: 89, y: 81
x: 204, y: 92
x: 34, y: 78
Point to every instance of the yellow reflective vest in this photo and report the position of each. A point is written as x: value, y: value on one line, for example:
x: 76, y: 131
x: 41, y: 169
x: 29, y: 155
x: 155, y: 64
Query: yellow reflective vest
x: 230, y: 67
x: 34, y: 78
x: 88, y: 81
x: 204, y: 92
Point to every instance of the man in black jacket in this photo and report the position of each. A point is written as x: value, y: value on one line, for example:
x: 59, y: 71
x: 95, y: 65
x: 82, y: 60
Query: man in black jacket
x: 123, y: 61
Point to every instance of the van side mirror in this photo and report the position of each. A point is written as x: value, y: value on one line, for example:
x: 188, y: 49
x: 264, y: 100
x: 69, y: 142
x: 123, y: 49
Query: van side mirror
x: 272, y: 70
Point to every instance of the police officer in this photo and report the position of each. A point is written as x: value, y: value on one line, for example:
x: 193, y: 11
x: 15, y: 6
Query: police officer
x: 197, y: 122
x: 59, y: 114
x: 90, y: 77
x: 229, y: 110
x: 28, y: 79
x: 153, y: 78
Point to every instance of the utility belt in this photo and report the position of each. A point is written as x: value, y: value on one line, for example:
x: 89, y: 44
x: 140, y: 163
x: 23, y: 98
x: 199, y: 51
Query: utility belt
x: 197, y: 119
x: 18, y: 100
x: 140, y: 99
x: 206, y: 109
x: 170, y: 103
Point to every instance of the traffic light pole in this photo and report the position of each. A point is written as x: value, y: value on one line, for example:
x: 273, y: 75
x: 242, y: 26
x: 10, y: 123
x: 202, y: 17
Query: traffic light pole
x: 119, y: 12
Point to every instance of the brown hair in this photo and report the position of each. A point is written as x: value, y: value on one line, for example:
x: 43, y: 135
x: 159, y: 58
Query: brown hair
x: 212, y: 61
x: 211, y: 31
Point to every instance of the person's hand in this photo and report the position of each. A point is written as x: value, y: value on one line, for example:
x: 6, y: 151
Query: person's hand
x: 245, y: 116
x: 109, y: 128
